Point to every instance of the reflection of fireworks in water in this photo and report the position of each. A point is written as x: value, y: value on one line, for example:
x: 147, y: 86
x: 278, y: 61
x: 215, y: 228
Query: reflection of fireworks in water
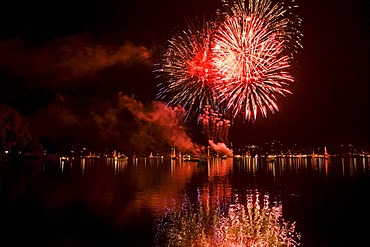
x: 255, y: 224
x: 241, y: 62
x: 214, y: 125
x: 187, y: 66
x: 250, y: 223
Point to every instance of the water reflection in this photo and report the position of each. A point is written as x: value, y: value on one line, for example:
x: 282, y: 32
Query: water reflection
x: 254, y: 166
x: 282, y: 166
x: 249, y: 220
x: 352, y: 166
x: 129, y: 186
x: 241, y: 201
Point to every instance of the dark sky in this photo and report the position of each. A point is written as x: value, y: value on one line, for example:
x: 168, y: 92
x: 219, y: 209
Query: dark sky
x: 63, y: 64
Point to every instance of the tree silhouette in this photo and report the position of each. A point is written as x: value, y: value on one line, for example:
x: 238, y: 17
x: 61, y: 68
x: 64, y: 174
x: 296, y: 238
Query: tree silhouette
x: 14, y: 133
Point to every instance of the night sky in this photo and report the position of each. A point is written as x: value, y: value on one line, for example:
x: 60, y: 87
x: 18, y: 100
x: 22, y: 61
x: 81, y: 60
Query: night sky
x: 67, y: 66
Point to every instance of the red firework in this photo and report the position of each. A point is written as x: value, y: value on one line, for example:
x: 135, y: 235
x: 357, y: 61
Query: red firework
x: 239, y: 64
x: 188, y: 69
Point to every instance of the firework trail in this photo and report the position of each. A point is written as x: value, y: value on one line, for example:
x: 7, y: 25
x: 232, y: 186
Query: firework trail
x: 238, y: 64
x: 215, y: 126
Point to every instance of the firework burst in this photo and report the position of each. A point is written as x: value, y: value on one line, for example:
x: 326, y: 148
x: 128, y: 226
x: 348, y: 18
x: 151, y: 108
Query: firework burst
x: 238, y: 64
x: 252, y: 55
x: 188, y: 69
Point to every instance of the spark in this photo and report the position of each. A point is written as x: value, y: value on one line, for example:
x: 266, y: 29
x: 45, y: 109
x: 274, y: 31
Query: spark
x: 253, y: 57
x: 239, y: 64
x: 188, y: 68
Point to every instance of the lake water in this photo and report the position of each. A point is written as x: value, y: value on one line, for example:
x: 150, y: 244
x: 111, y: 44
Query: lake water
x: 164, y: 202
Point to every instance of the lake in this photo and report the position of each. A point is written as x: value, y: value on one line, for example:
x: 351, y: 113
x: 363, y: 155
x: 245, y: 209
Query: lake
x: 288, y: 201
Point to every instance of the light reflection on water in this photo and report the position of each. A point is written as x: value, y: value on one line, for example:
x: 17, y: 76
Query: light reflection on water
x: 225, y: 201
x: 216, y: 222
x: 347, y: 166
x: 350, y: 166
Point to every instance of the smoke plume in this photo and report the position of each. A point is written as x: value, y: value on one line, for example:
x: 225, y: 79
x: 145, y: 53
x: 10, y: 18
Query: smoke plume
x: 221, y: 148
x: 127, y: 125
x: 66, y: 60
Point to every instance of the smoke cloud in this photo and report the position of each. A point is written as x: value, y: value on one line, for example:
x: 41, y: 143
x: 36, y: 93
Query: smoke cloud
x: 67, y: 59
x: 220, y: 148
x: 74, y: 91
x: 159, y: 124
x: 127, y: 125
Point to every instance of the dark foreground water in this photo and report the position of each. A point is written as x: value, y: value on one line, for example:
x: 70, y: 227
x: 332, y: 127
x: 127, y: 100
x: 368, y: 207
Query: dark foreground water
x: 163, y: 202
